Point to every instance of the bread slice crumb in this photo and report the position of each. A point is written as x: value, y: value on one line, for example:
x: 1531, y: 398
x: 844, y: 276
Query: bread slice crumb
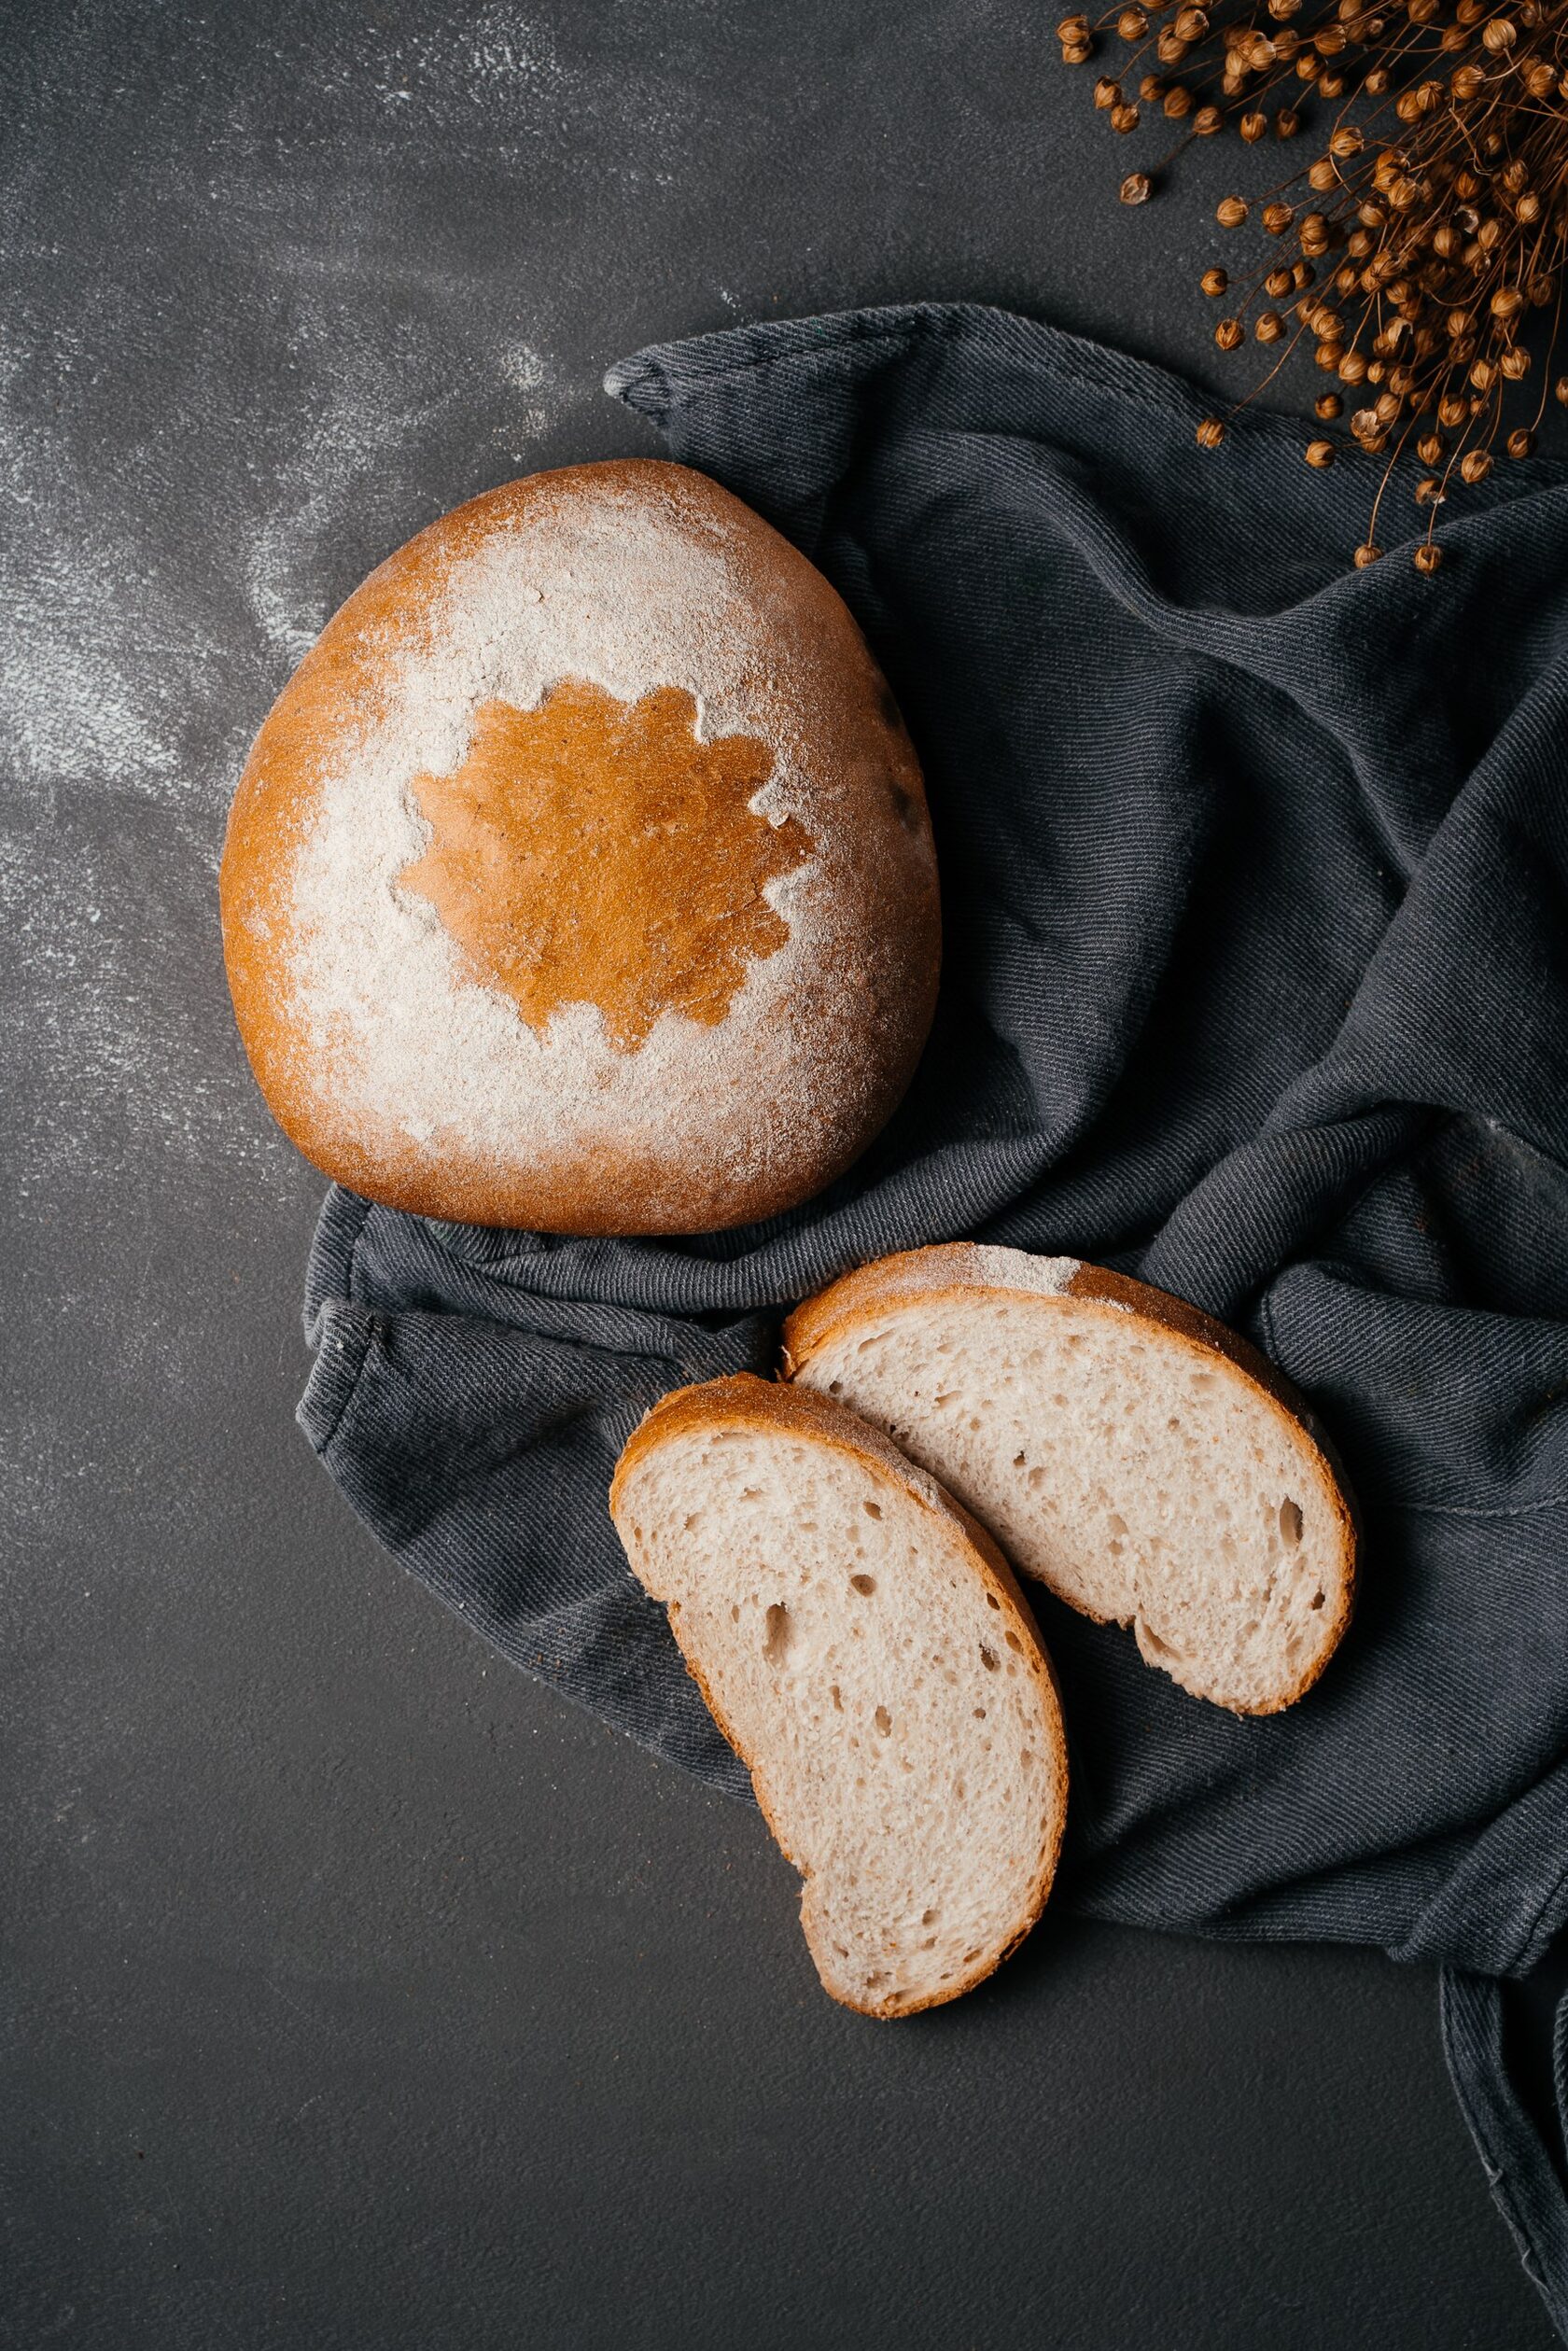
x: 865, y: 1650
x: 1142, y: 1461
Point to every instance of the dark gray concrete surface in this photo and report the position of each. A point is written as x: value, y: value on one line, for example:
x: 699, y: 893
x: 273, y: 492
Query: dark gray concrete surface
x: 357, y: 1992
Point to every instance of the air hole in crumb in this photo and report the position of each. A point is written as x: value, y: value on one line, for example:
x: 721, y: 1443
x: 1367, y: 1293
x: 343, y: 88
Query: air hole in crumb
x: 832, y: 1693
x: 987, y: 1659
x: 775, y: 1636
x: 883, y: 1720
x: 928, y: 1918
x: 1290, y: 1520
x: 1018, y: 1462
x: 1116, y: 1523
x: 864, y: 1585
x: 1013, y: 1643
x: 992, y: 1601
x: 734, y: 1611
x: 750, y: 1493
x: 871, y: 1509
x: 1317, y: 1600
x: 836, y: 1387
x: 979, y: 1713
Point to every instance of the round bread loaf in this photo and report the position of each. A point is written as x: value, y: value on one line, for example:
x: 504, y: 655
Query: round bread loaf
x: 580, y: 878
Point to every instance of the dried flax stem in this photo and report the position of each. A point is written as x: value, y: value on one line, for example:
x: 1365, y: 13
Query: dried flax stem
x: 1434, y: 213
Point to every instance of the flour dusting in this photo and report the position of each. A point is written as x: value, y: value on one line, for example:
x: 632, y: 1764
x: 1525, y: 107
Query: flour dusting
x: 1019, y: 1269
x: 628, y: 591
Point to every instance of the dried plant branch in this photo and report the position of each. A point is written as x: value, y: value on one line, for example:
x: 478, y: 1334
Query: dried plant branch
x: 1441, y: 214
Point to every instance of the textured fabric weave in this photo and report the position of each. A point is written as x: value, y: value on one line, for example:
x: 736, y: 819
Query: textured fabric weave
x: 1255, y: 876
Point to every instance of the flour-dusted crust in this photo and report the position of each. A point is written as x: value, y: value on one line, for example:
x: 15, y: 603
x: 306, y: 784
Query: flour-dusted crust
x: 921, y: 1280
x: 744, y: 1403
x: 676, y: 978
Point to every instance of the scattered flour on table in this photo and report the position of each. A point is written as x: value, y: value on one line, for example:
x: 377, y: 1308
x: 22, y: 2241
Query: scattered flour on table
x: 358, y: 430
x: 81, y: 693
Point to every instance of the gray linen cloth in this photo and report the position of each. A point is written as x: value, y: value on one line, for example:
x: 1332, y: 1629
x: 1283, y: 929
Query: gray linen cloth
x: 1256, y: 986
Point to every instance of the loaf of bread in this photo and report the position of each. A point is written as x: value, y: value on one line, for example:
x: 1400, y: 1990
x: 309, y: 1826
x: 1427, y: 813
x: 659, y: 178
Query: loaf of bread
x: 1141, y: 1459
x: 581, y: 878
x: 862, y: 1646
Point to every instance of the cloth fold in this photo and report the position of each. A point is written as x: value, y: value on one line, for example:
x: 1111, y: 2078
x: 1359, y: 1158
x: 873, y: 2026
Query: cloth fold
x: 1255, y: 877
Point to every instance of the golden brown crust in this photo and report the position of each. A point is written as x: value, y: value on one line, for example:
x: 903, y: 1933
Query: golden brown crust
x: 959, y: 1269
x: 744, y: 1402
x: 543, y: 793
x: 872, y: 1013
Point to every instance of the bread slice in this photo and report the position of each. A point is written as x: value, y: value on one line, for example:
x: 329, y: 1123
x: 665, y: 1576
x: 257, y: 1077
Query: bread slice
x: 1134, y: 1455
x: 865, y: 1649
